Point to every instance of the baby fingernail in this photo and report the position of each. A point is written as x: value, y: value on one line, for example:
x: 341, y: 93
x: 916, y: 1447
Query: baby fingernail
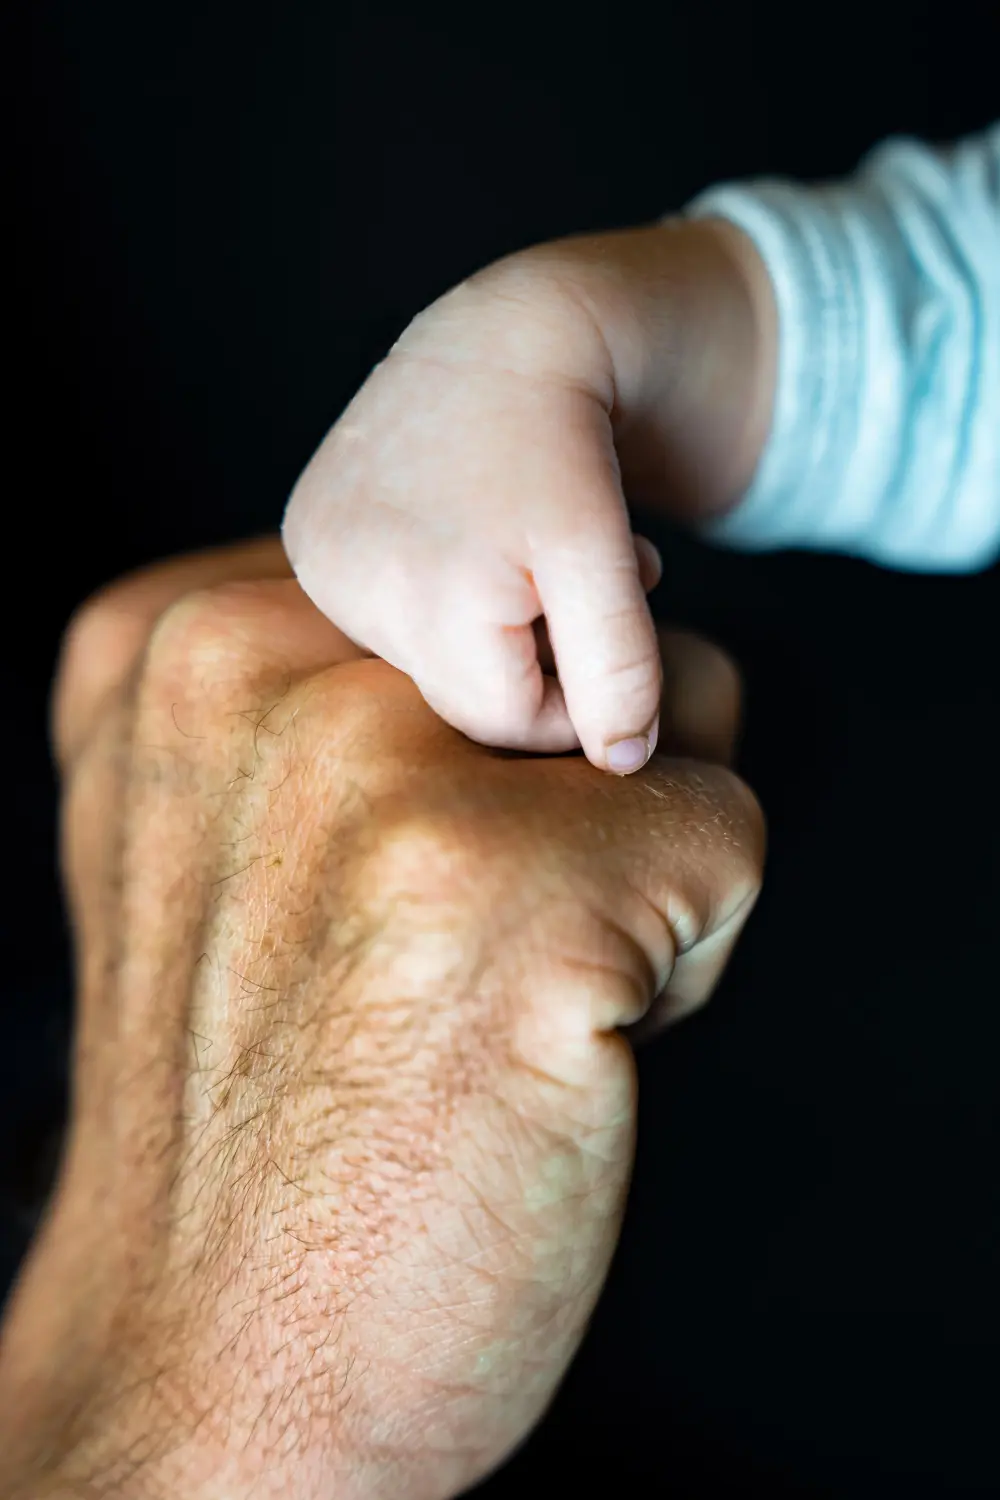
x: 628, y: 755
x: 632, y: 754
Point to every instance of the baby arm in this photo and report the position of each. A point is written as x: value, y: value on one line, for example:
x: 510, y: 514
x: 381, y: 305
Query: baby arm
x: 475, y: 486
x: 784, y: 366
x: 886, y: 432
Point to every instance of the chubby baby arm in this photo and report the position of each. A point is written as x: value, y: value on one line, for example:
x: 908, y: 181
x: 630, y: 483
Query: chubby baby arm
x: 466, y: 519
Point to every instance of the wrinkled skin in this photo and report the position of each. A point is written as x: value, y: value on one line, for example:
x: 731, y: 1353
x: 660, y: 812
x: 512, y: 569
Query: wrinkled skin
x: 352, y: 1122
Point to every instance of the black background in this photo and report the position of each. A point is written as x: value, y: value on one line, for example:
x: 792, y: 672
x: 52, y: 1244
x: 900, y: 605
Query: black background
x: 220, y: 216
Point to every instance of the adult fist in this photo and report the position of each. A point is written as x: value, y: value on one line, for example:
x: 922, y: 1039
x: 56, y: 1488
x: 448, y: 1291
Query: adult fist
x: 353, y: 1117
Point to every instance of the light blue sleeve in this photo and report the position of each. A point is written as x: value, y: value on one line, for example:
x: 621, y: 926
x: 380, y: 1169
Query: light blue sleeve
x: 886, y: 433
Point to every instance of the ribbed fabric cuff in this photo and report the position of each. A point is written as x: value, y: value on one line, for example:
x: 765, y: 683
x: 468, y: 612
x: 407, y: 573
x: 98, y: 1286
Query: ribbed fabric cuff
x: 798, y: 495
x: 885, y: 440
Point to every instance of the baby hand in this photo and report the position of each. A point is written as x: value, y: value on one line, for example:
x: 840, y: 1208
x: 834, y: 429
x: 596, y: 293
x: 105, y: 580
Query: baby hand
x: 465, y: 518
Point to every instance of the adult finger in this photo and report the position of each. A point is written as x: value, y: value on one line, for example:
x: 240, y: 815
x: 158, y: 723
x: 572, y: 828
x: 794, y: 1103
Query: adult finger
x: 702, y: 698
x: 650, y: 563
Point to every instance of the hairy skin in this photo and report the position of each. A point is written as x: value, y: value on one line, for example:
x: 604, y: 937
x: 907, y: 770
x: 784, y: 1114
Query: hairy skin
x: 352, y: 1123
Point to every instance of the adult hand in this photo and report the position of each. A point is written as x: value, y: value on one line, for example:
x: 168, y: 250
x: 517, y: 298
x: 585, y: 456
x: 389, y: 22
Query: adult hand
x: 352, y: 1118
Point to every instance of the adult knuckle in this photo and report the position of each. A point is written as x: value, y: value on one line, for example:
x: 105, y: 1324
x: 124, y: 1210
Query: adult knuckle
x: 742, y: 832
x: 421, y: 855
x: 206, y: 640
x: 102, y: 635
x: 718, y: 819
x: 93, y: 628
x: 99, y: 644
